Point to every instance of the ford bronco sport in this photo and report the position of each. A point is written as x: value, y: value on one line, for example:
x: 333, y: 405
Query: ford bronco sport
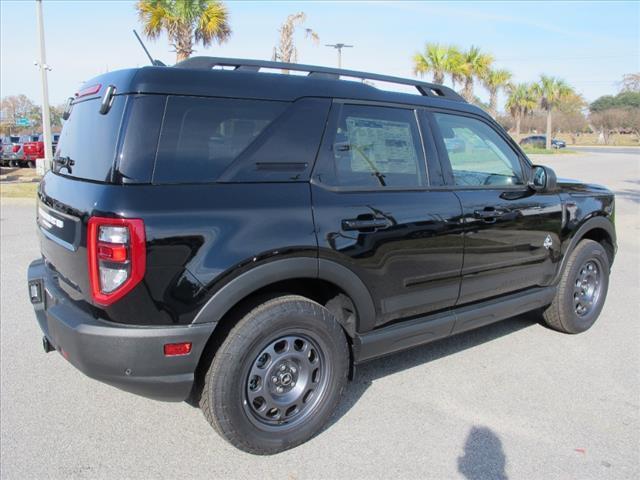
x: 216, y: 233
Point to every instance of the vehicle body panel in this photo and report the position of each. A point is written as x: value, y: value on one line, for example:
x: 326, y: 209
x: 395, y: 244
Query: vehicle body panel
x: 431, y: 270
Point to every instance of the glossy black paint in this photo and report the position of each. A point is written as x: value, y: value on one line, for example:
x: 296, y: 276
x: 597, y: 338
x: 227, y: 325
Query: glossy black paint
x: 517, y: 248
x: 198, y: 238
x: 412, y: 265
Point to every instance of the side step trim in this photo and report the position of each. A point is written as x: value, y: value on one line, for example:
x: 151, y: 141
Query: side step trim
x: 419, y: 331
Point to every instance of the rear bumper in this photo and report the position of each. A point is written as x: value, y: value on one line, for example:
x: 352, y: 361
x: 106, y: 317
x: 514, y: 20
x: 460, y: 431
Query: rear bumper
x: 127, y: 357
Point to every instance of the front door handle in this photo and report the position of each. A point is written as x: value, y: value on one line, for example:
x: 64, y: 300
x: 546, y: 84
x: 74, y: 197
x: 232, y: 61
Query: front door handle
x: 364, y: 224
x: 488, y: 213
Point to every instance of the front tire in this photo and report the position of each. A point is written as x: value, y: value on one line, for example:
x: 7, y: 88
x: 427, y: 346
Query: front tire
x: 277, y: 377
x: 582, y: 289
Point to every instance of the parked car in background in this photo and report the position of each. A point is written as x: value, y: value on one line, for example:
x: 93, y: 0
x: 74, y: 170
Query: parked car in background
x: 17, y: 156
x: 540, y: 141
x: 34, y: 150
x: 9, y: 146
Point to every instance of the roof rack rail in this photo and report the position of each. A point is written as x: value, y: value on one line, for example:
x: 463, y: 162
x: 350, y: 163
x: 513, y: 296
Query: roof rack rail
x: 425, y: 88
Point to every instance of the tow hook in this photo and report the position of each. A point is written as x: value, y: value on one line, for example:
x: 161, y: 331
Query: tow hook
x: 46, y: 344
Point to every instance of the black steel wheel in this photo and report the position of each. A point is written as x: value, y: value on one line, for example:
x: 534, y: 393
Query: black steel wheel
x: 277, y: 377
x: 587, y: 287
x: 286, y: 381
x: 582, y: 289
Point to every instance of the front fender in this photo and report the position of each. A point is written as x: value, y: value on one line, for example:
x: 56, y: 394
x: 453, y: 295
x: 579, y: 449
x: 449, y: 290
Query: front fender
x: 599, y: 222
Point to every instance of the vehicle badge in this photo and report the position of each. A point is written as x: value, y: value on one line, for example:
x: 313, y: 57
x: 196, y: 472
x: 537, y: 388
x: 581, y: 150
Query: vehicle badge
x: 548, y: 243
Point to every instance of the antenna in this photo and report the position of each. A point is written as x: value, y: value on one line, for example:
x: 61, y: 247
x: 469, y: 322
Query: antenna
x: 155, y: 63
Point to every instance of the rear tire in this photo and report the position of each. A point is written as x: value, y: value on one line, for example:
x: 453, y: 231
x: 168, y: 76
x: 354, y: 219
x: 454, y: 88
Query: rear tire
x: 278, y: 376
x: 582, y: 289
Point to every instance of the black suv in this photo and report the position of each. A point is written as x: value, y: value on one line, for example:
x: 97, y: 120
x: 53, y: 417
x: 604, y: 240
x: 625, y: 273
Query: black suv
x: 215, y: 233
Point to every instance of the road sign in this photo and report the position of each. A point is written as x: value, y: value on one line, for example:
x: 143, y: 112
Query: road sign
x: 23, y: 122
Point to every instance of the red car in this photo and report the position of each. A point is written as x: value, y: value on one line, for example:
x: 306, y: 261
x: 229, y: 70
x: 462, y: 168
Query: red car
x: 35, y: 150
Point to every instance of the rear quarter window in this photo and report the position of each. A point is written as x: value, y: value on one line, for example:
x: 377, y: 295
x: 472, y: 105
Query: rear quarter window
x: 201, y: 137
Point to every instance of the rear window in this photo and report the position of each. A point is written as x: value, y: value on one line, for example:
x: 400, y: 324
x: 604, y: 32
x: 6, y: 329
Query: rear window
x: 202, y: 136
x: 90, y: 139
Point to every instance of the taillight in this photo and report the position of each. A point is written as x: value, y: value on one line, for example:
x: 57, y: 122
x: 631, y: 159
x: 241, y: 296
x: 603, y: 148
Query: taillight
x: 15, y: 148
x: 91, y: 90
x: 117, y: 257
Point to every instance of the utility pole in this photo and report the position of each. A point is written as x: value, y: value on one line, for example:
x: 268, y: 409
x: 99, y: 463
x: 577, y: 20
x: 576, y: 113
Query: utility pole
x: 339, y: 47
x: 42, y: 65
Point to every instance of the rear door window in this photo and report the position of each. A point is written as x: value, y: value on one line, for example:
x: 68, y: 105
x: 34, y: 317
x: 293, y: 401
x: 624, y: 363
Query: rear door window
x: 375, y: 148
x: 201, y: 136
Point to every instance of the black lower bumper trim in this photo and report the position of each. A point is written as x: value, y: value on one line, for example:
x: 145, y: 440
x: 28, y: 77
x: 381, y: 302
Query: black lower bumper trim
x: 128, y: 357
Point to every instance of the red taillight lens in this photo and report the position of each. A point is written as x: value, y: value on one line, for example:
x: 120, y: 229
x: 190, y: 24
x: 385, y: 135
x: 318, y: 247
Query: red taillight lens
x: 91, y: 90
x: 174, y: 349
x: 116, y: 251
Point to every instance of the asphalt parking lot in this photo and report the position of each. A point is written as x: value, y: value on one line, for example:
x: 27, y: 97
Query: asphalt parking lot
x: 512, y: 400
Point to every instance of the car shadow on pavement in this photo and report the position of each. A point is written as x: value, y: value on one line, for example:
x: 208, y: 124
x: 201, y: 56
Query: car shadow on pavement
x: 367, y: 373
x: 483, y: 456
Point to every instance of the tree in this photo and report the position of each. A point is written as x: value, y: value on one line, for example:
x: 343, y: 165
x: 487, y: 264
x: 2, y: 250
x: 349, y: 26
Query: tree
x: 551, y: 92
x: 630, y: 82
x: 186, y: 22
x: 608, y: 121
x: 56, y: 112
x: 17, y: 106
x: 436, y: 59
x: 475, y: 65
x: 625, y: 99
x: 521, y: 100
x: 286, y: 50
x: 493, y: 81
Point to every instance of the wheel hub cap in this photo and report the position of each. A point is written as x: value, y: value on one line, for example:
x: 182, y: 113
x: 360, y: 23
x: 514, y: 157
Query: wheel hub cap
x: 285, y: 381
x: 587, y: 288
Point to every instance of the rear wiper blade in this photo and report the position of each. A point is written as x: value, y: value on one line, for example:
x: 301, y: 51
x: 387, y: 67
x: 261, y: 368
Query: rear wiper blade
x: 64, y: 162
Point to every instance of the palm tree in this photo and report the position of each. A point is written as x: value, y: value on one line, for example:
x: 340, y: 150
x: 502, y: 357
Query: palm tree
x: 286, y: 50
x: 435, y: 60
x: 475, y: 65
x: 186, y: 22
x: 494, y: 80
x: 521, y: 100
x: 551, y: 92
x: 457, y: 66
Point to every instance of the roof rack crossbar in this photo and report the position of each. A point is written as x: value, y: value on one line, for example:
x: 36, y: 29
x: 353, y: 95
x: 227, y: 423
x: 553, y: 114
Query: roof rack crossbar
x: 425, y: 88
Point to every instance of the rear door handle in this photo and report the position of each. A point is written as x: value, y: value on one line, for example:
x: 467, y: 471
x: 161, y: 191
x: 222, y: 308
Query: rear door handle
x: 364, y: 224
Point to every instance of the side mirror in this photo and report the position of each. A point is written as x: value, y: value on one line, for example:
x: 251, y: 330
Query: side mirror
x: 543, y: 179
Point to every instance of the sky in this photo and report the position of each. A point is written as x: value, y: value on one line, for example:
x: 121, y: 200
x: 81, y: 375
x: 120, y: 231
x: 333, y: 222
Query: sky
x: 588, y: 44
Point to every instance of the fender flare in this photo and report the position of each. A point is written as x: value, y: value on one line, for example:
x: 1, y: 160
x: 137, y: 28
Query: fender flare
x: 288, y: 269
x: 597, y: 222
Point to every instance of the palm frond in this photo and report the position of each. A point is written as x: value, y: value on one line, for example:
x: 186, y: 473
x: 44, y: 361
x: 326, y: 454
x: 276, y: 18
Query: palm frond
x: 154, y: 15
x: 213, y: 24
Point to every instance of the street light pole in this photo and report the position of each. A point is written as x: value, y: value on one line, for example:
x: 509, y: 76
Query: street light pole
x: 42, y: 65
x: 339, y: 47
